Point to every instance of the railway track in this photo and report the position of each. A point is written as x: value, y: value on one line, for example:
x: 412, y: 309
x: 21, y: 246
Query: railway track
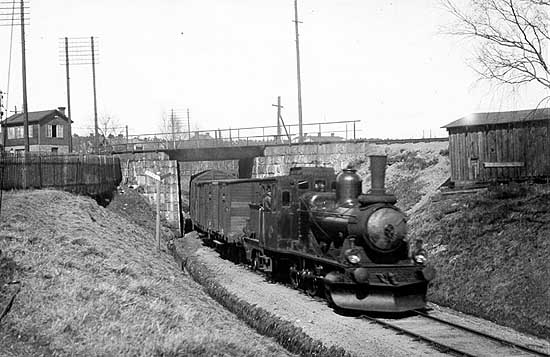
x: 456, y: 339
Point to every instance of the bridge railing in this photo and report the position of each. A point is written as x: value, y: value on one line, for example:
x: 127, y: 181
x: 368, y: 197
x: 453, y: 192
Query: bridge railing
x: 261, y: 135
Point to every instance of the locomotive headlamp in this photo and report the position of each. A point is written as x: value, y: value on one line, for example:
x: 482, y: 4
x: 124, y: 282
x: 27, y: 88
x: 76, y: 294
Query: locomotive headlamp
x: 419, y: 254
x: 352, y: 256
x: 420, y: 259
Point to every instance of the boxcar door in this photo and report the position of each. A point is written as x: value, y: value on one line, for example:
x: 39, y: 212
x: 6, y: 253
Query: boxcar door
x: 215, y: 204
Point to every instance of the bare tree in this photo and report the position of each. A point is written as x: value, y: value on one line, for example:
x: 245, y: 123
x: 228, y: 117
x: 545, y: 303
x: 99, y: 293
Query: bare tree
x: 170, y: 126
x: 511, y: 38
x: 109, y: 126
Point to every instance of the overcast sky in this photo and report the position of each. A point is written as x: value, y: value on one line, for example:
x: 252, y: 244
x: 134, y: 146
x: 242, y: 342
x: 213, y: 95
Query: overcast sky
x: 382, y: 62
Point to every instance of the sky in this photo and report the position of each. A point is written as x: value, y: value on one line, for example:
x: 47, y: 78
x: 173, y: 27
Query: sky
x: 384, y: 63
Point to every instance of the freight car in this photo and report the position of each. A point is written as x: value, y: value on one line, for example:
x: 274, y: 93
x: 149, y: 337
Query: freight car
x: 317, y: 230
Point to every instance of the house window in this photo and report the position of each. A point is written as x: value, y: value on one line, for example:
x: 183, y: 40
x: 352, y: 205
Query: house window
x: 18, y: 132
x: 54, y: 149
x: 54, y: 131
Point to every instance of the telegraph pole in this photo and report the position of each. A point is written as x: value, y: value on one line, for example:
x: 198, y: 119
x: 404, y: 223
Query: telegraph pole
x: 280, y: 121
x: 78, y: 51
x: 300, y: 129
x: 24, y: 70
x: 96, y: 138
x: 279, y: 107
x: 173, y: 125
x: 1, y: 105
x: 188, y: 124
x: 68, y: 93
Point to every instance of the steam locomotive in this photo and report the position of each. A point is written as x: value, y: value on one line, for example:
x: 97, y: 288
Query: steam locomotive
x: 317, y: 230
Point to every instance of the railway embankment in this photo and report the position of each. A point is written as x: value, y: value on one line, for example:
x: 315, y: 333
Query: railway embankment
x: 88, y: 281
x: 491, y: 251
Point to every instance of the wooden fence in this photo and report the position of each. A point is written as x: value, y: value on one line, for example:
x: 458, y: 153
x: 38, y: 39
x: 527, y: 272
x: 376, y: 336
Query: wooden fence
x: 92, y: 175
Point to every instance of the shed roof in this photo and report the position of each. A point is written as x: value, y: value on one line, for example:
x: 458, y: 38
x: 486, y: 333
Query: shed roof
x: 494, y: 118
x: 34, y: 117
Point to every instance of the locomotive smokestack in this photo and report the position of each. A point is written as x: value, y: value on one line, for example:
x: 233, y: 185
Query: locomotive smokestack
x: 378, y: 174
x: 377, y: 192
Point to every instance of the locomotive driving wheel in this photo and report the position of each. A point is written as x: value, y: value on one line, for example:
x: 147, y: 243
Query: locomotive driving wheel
x: 312, y: 286
x: 293, y: 277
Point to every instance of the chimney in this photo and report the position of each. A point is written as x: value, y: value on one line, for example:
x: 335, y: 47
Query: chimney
x: 61, y: 110
x: 378, y: 174
x: 377, y: 192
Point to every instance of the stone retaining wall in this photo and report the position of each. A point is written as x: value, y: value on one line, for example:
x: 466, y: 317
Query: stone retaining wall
x: 134, y: 174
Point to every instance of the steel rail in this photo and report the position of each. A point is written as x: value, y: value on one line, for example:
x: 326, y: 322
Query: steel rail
x: 481, y: 333
x: 442, y: 347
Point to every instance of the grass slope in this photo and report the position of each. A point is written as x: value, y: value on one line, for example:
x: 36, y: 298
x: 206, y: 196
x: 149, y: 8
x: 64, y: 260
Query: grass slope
x: 93, y: 284
x: 491, y: 251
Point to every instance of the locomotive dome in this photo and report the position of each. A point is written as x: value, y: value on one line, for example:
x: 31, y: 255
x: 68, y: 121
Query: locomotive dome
x: 348, y: 187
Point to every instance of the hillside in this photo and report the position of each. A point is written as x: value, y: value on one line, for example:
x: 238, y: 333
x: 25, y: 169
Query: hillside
x: 92, y: 283
x: 491, y: 251
x: 414, y: 172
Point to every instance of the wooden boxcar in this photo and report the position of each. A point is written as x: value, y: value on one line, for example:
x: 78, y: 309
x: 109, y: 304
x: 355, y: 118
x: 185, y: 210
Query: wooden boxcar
x: 220, y: 203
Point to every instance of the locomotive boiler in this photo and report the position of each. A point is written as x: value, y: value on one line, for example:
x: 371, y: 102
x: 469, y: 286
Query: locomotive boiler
x: 319, y: 232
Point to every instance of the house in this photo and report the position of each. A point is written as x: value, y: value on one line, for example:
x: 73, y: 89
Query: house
x: 500, y: 146
x: 49, y: 131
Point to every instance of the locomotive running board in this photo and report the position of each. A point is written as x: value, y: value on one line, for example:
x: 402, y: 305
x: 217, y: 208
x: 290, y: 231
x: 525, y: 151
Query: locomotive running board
x: 382, y: 301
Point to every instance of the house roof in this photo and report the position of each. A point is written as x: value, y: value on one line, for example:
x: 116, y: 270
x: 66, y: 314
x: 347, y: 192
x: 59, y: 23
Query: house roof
x: 494, y: 118
x: 34, y: 117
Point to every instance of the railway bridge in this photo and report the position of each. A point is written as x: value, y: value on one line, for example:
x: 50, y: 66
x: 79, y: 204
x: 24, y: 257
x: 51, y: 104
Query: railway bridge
x: 244, y: 154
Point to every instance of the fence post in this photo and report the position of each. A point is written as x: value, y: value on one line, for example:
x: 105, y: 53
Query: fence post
x: 158, y: 216
x: 39, y: 170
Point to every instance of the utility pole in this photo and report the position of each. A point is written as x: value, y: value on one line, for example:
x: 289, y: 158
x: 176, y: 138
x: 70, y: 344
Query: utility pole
x: 78, y: 51
x: 188, y: 124
x: 1, y: 104
x: 280, y: 122
x: 279, y: 107
x: 68, y: 94
x: 95, y: 97
x: 300, y: 129
x: 173, y: 127
x: 24, y: 70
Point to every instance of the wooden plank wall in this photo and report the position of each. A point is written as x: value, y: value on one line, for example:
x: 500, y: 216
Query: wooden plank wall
x: 527, y: 142
x: 92, y: 175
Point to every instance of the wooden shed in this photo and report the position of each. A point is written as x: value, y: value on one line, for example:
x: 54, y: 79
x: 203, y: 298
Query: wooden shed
x: 500, y: 146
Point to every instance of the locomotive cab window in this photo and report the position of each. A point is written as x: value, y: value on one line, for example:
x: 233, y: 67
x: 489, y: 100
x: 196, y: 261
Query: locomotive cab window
x: 285, y: 199
x: 320, y: 185
x: 303, y: 185
x: 333, y: 186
